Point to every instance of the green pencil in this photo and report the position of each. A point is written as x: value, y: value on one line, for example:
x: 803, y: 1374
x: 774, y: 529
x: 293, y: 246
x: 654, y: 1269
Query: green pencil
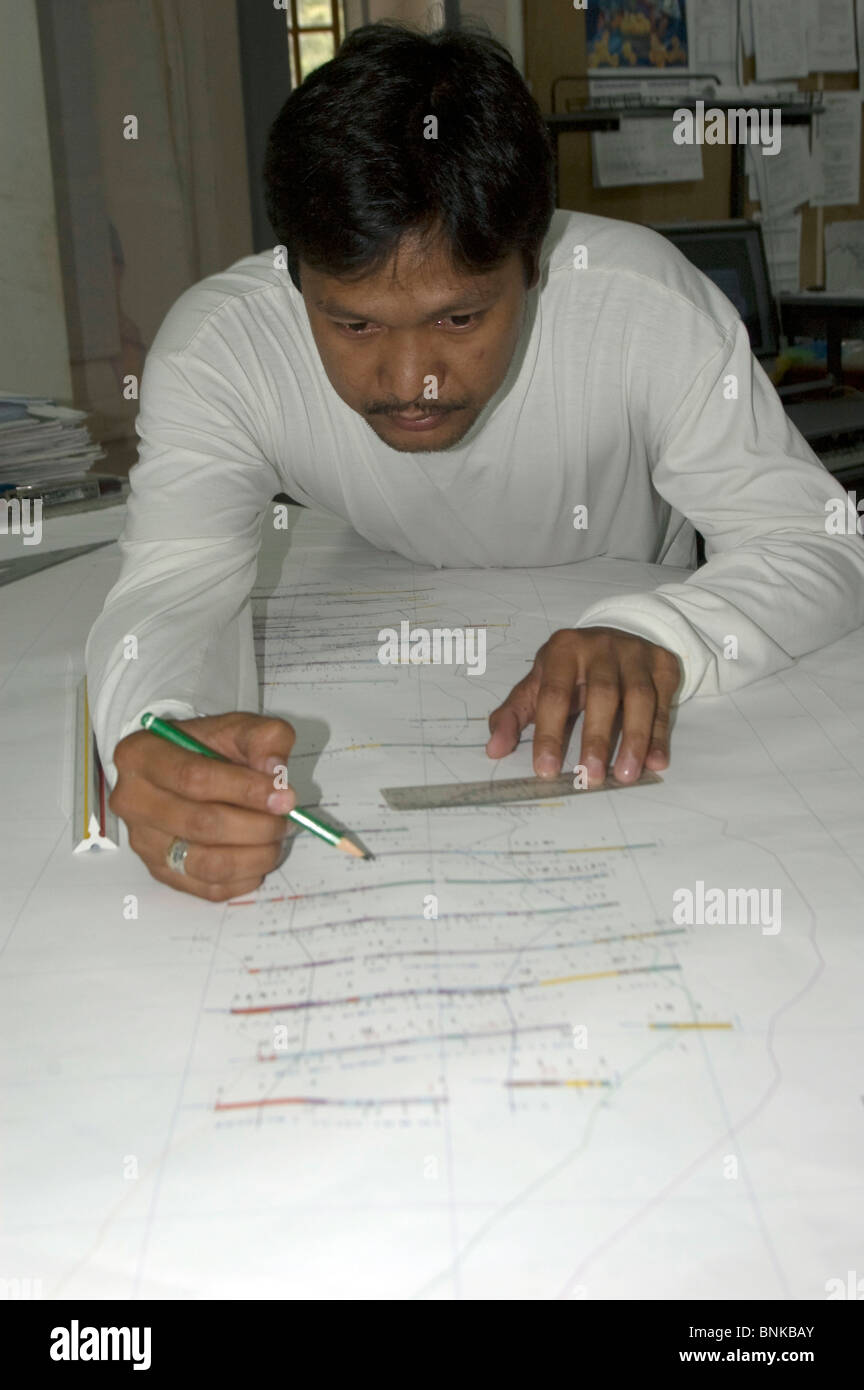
x: 172, y: 734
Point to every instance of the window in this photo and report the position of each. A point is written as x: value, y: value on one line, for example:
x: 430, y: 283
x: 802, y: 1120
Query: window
x: 315, y: 30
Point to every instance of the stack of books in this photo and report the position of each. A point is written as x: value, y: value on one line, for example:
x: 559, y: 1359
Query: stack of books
x: 46, y: 451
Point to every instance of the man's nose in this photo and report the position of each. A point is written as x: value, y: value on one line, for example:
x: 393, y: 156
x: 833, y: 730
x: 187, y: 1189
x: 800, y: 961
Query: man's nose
x: 409, y: 370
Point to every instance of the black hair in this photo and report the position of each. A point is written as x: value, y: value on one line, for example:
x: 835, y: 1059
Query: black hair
x: 348, y: 169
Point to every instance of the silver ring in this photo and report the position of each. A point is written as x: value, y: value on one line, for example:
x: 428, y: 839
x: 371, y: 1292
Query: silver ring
x: 176, y: 855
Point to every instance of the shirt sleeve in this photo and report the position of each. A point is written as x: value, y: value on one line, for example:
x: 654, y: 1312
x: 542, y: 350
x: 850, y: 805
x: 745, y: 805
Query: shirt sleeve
x: 175, y: 633
x: 778, y: 581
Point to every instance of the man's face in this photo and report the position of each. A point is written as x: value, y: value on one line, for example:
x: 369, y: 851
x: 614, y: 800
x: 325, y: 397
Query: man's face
x: 419, y: 347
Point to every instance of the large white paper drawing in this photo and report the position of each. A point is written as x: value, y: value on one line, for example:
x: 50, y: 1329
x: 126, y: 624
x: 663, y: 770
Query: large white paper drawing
x: 492, y: 1062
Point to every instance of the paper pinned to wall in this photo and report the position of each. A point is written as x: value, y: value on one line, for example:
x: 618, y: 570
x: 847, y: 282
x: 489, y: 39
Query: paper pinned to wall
x: 831, y: 36
x: 844, y: 257
x: 713, y: 28
x: 643, y: 151
x: 780, y: 38
x: 782, y: 236
x: 783, y: 180
x: 645, y: 91
x: 837, y: 151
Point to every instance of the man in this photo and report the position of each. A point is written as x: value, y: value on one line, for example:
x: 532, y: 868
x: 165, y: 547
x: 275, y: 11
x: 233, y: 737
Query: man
x: 468, y: 380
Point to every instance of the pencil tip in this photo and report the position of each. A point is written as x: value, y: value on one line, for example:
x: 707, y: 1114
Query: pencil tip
x: 350, y: 848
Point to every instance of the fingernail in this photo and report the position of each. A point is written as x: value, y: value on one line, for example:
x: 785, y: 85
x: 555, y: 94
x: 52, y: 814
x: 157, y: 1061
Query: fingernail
x: 280, y: 803
x: 272, y: 765
x: 627, y: 768
x: 547, y: 765
x: 596, y: 771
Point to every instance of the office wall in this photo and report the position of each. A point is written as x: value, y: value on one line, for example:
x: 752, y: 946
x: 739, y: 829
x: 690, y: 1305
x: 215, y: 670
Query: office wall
x: 178, y: 194
x: 146, y: 126
x: 34, y: 356
x: 555, y: 46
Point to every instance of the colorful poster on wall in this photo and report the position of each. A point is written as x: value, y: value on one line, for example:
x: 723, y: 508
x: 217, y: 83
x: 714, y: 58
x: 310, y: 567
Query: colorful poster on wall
x: 636, y: 33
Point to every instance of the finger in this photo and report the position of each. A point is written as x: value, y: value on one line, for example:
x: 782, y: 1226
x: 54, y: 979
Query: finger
x: 201, y: 823
x: 210, y: 863
x: 232, y: 863
x: 658, y: 750
x: 555, y: 697
x: 212, y: 892
x: 265, y: 743
x: 510, y: 718
x: 152, y: 847
x: 668, y: 675
x: 242, y: 737
x: 195, y: 778
x: 506, y: 727
x: 602, y: 702
x: 639, y: 703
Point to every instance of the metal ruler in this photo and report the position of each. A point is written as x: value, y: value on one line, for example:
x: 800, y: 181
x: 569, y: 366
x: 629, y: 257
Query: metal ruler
x: 498, y: 793
x: 24, y: 565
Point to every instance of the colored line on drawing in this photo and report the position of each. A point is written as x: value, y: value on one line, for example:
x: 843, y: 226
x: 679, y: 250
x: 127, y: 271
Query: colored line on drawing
x: 455, y: 990
x: 463, y: 1036
x: 303, y: 965
x: 690, y: 1025
x: 470, y: 951
x: 412, y: 916
x: 381, y: 829
x: 376, y: 994
x: 381, y: 680
x: 328, y: 1100
x: 323, y: 661
x: 569, y: 1081
x: 510, y: 853
x: 352, y: 747
x: 307, y: 591
x: 411, y: 883
x: 534, y: 882
x: 607, y: 974
x: 327, y: 892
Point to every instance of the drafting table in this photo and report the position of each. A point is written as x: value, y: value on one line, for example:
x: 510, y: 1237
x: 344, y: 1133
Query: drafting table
x: 492, y: 1064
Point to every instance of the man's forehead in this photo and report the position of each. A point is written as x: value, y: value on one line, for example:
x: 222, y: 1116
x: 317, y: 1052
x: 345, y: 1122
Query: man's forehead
x: 422, y: 277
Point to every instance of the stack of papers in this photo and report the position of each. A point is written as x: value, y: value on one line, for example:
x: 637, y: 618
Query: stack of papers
x: 41, y: 441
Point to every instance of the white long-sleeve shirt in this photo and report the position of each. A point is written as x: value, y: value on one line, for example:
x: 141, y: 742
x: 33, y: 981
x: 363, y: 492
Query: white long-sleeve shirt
x: 632, y: 392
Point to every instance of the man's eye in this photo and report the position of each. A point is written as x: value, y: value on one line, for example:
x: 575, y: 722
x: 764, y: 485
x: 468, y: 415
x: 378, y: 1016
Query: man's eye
x: 357, y: 327
x: 459, y: 320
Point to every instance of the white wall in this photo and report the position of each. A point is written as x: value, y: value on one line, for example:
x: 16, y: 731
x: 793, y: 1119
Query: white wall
x: 34, y: 354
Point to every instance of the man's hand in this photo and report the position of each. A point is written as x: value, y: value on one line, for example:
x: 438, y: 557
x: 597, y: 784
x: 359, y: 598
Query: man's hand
x: 611, y: 675
x: 229, y: 813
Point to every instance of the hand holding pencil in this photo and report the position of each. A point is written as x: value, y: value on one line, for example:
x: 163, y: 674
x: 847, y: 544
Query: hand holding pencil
x: 222, y: 821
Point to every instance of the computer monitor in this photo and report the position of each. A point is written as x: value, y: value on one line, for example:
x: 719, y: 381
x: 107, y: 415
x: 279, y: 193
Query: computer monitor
x: 732, y: 254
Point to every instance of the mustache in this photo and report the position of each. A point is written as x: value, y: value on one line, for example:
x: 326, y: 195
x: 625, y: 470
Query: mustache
x: 427, y: 407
